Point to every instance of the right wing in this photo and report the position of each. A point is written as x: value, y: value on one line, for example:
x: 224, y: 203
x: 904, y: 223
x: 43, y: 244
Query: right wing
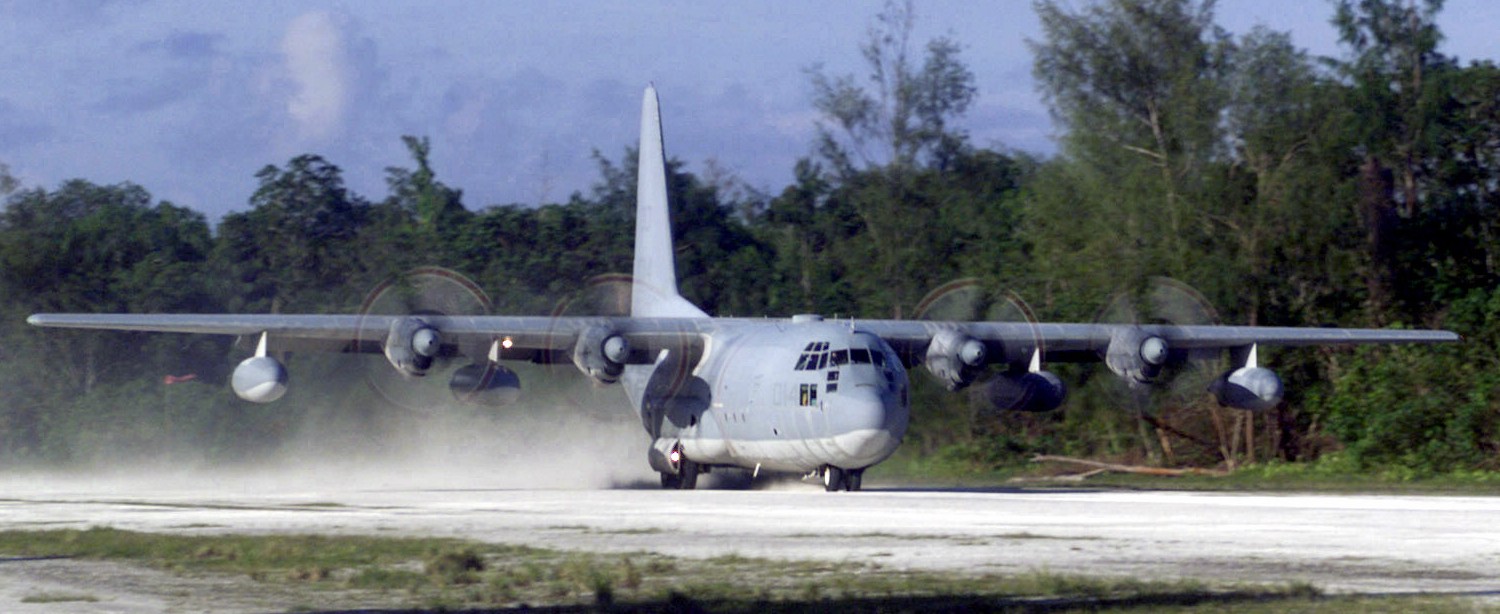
x: 537, y: 338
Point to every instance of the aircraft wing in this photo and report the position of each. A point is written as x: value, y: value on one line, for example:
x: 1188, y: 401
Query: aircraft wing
x: 1089, y: 342
x: 1017, y: 340
x: 527, y: 337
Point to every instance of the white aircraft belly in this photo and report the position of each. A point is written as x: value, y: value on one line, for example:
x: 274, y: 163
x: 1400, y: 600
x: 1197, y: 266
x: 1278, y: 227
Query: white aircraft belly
x: 791, y: 453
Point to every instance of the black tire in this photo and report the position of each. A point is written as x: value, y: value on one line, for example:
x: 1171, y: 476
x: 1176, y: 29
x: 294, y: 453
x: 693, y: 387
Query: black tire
x: 671, y: 481
x: 688, y: 476
x: 854, y: 480
x: 834, y: 479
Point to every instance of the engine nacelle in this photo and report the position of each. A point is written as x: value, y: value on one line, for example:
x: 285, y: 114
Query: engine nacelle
x: 600, y: 353
x: 412, y: 345
x: 955, y: 358
x: 1136, y: 355
x: 259, y: 379
x: 485, y: 384
x: 1031, y: 391
x: 1250, y: 388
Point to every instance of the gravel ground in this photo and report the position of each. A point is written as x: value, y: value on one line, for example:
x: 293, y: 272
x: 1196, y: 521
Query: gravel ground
x: 1341, y: 543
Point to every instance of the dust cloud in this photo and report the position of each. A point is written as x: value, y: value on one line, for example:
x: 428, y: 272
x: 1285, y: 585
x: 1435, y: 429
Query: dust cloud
x: 568, y: 435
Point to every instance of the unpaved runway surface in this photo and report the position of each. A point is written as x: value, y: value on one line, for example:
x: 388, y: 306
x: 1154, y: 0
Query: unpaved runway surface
x: 1338, y: 542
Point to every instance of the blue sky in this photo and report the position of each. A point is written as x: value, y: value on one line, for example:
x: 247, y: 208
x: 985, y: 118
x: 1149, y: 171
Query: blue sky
x: 190, y: 99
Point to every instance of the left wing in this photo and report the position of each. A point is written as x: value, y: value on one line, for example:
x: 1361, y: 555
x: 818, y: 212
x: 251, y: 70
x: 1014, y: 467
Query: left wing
x: 1016, y: 341
x: 955, y: 353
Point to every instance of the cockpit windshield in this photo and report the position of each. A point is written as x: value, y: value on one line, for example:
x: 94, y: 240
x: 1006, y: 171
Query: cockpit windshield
x: 816, y: 357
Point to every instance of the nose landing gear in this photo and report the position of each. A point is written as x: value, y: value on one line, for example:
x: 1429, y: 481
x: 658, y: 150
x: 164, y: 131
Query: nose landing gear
x: 686, y: 475
x: 836, y: 479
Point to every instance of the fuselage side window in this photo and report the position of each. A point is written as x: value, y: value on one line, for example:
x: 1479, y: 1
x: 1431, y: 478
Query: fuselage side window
x: 807, y: 395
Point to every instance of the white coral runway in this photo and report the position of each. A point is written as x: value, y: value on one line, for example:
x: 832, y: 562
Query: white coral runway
x: 1358, y: 543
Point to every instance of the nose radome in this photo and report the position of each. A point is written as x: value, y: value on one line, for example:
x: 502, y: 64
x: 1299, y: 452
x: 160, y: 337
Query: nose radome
x: 862, y: 425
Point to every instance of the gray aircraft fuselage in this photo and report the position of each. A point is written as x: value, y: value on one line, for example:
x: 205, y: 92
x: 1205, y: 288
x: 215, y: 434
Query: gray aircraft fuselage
x: 785, y: 395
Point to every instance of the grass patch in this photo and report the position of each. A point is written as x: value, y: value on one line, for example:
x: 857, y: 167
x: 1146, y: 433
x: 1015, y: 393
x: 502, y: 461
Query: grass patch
x: 1331, y: 473
x: 1313, y: 477
x: 644, y: 531
x: 453, y: 574
x: 59, y: 598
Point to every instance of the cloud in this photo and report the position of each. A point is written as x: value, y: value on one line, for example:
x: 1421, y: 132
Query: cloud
x: 318, y: 62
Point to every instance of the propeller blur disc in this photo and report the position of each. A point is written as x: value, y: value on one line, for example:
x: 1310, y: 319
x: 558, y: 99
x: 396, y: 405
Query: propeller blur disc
x: 431, y: 291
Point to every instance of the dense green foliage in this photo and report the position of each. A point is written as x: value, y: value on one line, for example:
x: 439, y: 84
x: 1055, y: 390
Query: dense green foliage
x: 1284, y: 189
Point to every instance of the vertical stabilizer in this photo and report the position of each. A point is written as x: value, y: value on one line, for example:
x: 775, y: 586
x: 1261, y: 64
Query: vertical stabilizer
x: 654, y: 290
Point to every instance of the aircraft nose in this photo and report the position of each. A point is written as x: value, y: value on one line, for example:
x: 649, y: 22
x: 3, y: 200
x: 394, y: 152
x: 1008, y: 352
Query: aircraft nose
x: 866, y: 434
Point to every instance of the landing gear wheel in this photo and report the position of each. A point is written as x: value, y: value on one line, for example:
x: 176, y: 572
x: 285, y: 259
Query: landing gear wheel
x: 834, y: 479
x: 853, y: 479
x: 686, y: 477
x: 670, y: 481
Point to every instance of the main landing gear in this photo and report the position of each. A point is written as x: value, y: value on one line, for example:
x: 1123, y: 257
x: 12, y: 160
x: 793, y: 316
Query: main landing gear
x: 836, y: 479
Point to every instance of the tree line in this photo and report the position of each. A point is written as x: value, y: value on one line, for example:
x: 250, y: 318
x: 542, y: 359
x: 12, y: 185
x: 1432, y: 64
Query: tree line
x: 1236, y: 172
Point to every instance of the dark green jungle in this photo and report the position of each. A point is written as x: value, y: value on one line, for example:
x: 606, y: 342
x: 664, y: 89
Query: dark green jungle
x: 1284, y: 189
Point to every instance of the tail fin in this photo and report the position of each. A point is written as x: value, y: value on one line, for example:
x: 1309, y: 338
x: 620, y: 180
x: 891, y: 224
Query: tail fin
x: 654, y: 289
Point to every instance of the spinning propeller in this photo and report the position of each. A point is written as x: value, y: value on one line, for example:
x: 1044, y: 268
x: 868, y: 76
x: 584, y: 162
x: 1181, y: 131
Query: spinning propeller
x: 1141, y: 356
x: 957, y: 360
x: 415, y: 346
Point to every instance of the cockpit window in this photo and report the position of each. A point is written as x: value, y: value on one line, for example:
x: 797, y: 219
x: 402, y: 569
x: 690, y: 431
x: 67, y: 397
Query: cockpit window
x: 860, y: 356
x: 814, y: 357
x: 879, y: 358
x: 840, y: 357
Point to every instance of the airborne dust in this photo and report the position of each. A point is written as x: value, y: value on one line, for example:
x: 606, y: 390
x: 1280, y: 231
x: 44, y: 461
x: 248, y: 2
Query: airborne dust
x: 349, y: 423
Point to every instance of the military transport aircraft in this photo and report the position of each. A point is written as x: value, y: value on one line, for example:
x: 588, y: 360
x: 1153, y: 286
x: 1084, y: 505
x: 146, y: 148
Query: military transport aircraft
x: 805, y: 394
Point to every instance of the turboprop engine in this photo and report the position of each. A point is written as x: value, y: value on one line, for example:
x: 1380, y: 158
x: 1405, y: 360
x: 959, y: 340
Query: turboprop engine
x: 1136, y: 355
x: 412, y: 345
x: 1026, y: 391
x: 955, y: 359
x: 601, y: 353
x: 488, y: 384
x: 259, y: 379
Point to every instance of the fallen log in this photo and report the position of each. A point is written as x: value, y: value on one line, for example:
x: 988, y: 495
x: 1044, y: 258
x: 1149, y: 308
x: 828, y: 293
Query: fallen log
x: 1136, y: 469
